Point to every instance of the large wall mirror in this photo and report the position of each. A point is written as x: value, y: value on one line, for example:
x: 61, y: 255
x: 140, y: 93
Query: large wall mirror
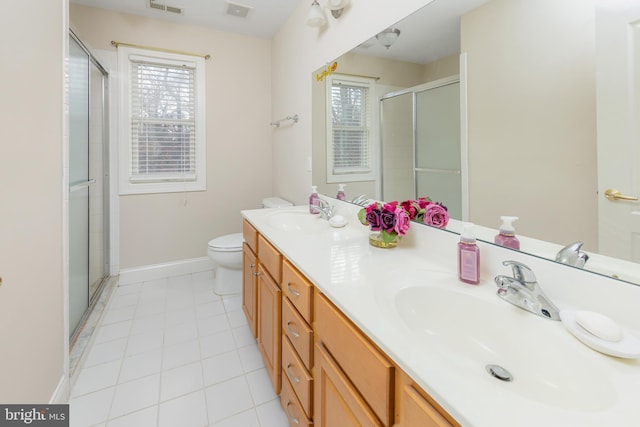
x: 545, y: 96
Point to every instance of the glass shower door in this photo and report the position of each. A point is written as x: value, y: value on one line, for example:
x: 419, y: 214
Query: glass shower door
x: 437, y: 150
x: 78, y: 183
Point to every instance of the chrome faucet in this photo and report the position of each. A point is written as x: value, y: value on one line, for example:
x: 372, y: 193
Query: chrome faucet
x: 523, y: 290
x: 326, y: 209
x: 572, y: 255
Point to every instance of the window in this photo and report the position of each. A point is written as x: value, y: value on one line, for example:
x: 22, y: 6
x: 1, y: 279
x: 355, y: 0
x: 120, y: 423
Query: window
x: 349, y: 141
x: 162, y: 122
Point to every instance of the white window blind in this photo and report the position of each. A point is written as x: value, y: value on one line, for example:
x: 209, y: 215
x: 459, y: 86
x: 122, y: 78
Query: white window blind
x: 163, y: 126
x: 350, y: 130
x: 163, y: 122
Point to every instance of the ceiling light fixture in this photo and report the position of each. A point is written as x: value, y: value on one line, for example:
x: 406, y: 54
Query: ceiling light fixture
x: 315, y: 17
x: 388, y: 37
x: 337, y: 7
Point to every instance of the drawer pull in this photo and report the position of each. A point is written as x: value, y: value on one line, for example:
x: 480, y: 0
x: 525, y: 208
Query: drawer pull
x: 256, y: 273
x: 291, y: 331
x: 293, y: 291
x: 295, y: 420
x: 291, y: 375
x: 252, y: 266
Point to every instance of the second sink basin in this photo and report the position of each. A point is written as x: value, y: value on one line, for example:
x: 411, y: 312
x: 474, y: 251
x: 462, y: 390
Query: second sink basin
x: 297, y: 221
x: 469, y: 333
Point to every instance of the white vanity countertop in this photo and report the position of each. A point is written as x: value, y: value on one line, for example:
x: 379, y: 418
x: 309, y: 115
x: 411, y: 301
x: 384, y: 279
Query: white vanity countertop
x: 558, y: 381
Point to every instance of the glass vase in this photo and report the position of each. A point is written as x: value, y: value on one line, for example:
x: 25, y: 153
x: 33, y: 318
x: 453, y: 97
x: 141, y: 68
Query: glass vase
x: 377, y: 239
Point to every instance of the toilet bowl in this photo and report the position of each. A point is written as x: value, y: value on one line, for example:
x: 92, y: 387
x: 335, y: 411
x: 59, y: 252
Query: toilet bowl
x: 226, y: 254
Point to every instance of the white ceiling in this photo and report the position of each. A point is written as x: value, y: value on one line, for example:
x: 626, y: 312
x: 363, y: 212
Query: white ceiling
x: 264, y: 19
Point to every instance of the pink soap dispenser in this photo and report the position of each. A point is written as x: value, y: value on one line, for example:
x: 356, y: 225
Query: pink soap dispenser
x: 341, y: 195
x: 314, y: 201
x: 468, y: 256
x: 507, y: 235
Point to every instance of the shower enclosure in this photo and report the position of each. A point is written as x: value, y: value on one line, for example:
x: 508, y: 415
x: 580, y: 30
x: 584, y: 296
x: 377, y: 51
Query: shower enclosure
x: 88, y: 181
x: 421, y: 152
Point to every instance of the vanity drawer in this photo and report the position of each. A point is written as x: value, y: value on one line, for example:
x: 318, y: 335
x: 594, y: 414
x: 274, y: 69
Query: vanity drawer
x: 299, y: 378
x: 270, y: 258
x: 291, y: 405
x: 365, y: 366
x: 299, y: 333
x: 250, y: 236
x: 298, y: 289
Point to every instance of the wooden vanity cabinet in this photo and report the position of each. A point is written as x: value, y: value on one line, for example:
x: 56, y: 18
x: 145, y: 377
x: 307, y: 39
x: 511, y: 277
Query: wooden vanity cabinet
x: 270, y: 309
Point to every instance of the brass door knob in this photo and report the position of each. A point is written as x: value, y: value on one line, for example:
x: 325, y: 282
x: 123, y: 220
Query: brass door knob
x: 613, y: 194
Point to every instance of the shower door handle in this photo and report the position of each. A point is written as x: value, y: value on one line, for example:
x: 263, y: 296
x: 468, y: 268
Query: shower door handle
x: 82, y: 185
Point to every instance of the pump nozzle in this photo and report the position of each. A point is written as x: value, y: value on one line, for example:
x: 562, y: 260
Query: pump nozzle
x: 507, y: 225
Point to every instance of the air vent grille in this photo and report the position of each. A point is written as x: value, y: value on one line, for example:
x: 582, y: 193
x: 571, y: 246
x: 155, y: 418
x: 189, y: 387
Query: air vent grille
x: 165, y: 8
x: 238, y: 10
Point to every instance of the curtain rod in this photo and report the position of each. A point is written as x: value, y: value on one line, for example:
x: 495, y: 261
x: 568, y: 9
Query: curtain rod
x: 160, y: 49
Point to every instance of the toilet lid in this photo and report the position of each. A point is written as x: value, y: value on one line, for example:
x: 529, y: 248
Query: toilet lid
x: 229, y: 242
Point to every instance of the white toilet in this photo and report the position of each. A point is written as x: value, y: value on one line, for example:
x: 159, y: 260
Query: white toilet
x: 226, y: 253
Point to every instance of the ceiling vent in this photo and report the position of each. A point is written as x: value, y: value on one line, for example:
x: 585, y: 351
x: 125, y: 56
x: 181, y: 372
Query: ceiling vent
x: 165, y: 8
x: 239, y: 10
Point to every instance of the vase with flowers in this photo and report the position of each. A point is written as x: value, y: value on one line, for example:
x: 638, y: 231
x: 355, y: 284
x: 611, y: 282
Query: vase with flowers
x: 389, y: 221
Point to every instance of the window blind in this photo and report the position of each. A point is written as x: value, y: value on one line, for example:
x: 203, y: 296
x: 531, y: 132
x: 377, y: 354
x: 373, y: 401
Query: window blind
x: 163, y: 122
x: 350, y: 128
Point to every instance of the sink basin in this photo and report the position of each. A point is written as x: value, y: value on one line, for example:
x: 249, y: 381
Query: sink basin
x: 297, y: 221
x: 471, y: 332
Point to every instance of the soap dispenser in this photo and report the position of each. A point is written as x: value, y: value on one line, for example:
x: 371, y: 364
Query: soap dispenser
x: 468, y: 256
x: 507, y: 235
x: 341, y: 195
x: 314, y: 201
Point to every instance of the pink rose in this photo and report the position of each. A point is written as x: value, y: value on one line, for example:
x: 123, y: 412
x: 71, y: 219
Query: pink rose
x: 403, y: 221
x: 436, y: 215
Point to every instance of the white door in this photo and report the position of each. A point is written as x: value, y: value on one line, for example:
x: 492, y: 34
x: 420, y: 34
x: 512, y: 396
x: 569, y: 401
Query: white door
x: 618, y: 103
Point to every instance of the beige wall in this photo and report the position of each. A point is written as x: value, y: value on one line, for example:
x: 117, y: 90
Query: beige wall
x: 158, y: 228
x: 31, y: 189
x: 531, y: 107
x: 298, y: 50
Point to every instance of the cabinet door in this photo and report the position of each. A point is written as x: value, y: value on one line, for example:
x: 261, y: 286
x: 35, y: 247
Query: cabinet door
x: 250, y: 288
x: 415, y: 408
x: 269, y: 330
x: 337, y: 403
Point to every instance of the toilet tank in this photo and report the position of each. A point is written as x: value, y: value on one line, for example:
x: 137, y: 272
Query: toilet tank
x: 275, y: 202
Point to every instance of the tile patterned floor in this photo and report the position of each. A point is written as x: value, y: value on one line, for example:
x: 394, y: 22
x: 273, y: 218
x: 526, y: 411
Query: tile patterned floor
x: 171, y: 353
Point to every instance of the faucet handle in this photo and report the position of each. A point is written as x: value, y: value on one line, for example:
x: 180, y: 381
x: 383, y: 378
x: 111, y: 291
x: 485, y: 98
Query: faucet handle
x: 521, y: 272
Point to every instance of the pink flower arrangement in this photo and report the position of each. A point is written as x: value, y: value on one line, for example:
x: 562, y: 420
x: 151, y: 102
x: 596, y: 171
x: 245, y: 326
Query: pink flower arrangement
x: 393, y: 219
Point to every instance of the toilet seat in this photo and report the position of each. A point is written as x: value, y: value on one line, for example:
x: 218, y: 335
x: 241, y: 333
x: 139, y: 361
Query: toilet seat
x: 227, y: 243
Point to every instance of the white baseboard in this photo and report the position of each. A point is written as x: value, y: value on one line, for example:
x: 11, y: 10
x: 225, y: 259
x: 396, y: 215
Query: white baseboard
x: 61, y: 393
x: 130, y: 276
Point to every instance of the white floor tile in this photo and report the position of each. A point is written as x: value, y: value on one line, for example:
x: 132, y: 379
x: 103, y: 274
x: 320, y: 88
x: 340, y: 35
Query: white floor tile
x: 155, y: 306
x: 90, y: 409
x: 180, y: 354
x: 210, y: 308
x: 140, y: 365
x: 118, y: 314
x: 212, y: 324
x: 250, y: 357
x: 181, y: 333
x: 144, y: 418
x: 185, y: 411
x: 114, y: 331
x: 149, y: 323
x: 271, y: 414
x: 218, y: 343
x: 221, y: 368
x: 124, y: 300
x: 260, y: 386
x: 106, y: 352
x: 147, y: 341
x: 244, y: 419
x: 228, y: 398
x: 133, y: 288
x: 243, y: 336
x: 135, y: 395
x: 180, y: 316
x: 233, y: 302
x: 180, y: 381
x: 237, y: 318
x: 96, y: 378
